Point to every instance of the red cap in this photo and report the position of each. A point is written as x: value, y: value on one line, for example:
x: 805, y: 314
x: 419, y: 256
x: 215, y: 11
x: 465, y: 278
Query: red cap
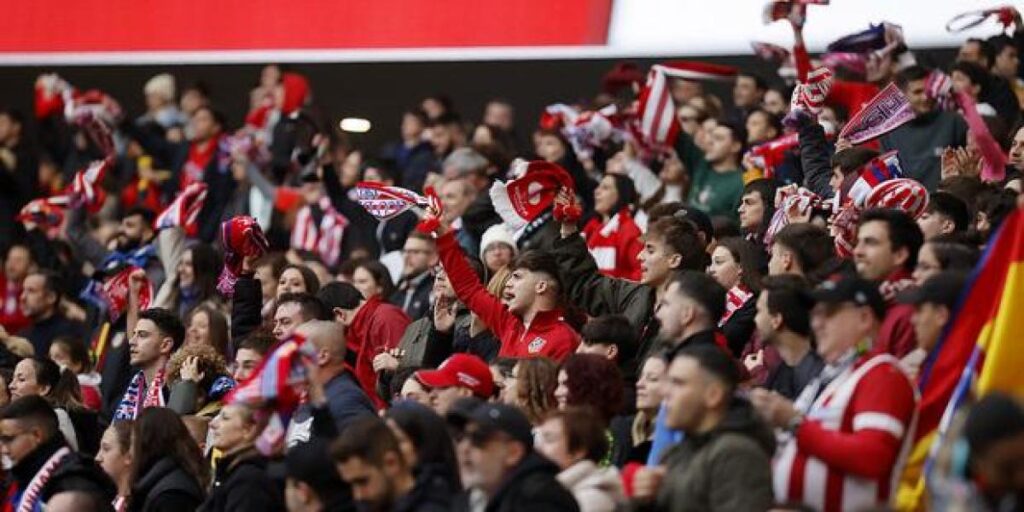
x: 461, y: 370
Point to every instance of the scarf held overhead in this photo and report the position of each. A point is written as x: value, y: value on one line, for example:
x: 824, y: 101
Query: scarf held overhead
x: 521, y: 200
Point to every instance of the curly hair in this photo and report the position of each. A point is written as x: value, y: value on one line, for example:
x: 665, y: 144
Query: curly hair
x: 211, y: 364
x: 594, y: 381
x: 536, y: 380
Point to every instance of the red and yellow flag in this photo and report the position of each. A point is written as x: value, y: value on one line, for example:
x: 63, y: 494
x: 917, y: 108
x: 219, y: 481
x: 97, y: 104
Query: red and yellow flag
x: 981, y: 345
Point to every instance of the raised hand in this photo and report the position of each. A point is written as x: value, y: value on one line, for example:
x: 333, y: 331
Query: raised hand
x: 444, y: 314
x: 190, y: 370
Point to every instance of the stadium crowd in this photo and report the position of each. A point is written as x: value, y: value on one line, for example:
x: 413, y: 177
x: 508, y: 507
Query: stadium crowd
x: 736, y: 306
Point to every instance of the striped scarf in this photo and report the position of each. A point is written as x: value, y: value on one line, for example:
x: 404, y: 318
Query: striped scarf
x: 734, y: 300
x: 30, y: 498
x: 129, y: 409
x: 319, y: 228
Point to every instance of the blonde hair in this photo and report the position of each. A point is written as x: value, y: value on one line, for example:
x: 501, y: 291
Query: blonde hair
x: 497, y: 283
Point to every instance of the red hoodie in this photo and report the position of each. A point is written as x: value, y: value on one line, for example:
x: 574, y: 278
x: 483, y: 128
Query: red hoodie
x: 548, y: 335
x: 378, y: 326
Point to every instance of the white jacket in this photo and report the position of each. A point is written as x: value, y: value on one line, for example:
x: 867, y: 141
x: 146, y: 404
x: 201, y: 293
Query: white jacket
x: 596, y: 489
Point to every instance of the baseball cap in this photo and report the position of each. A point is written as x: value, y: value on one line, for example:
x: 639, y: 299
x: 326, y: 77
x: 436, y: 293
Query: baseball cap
x: 462, y: 370
x: 943, y: 289
x: 849, y: 288
x: 503, y: 418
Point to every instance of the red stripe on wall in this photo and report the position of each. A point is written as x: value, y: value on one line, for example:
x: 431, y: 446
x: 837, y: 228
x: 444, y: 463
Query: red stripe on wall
x: 122, y: 25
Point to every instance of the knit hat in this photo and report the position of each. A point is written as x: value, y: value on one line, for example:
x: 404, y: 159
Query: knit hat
x: 497, y: 234
x: 161, y: 85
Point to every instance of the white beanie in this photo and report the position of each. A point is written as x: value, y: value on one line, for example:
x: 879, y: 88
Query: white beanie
x: 497, y: 233
x: 162, y: 85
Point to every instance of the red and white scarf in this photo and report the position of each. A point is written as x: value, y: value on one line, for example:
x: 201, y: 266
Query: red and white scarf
x: 184, y: 211
x: 894, y: 284
x: 533, y: 190
x: 85, y: 189
x: 735, y: 299
x: 888, y: 110
x: 199, y: 156
x: 33, y: 490
x: 323, y: 237
x: 129, y: 408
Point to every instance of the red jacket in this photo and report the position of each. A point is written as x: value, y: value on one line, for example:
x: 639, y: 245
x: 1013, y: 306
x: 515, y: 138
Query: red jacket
x: 377, y: 327
x: 11, y: 317
x: 615, y: 245
x: 548, y: 335
x: 896, y: 334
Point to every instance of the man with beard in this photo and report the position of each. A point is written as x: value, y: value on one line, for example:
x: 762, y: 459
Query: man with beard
x: 132, y: 244
x: 369, y: 459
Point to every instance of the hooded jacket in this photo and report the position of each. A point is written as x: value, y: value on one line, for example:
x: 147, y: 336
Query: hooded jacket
x: 532, y: 486
x: 596, y: 489
x: 728, y: 468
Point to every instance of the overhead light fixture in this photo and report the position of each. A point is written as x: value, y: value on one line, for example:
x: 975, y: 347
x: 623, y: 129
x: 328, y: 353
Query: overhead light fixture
x: 354, y: 125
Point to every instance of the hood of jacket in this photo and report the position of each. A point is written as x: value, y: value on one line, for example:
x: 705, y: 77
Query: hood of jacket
x: 742, y: 419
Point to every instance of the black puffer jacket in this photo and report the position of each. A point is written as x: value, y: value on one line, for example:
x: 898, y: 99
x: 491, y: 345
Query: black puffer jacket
x: 532, y: 487
x: 241, y: 484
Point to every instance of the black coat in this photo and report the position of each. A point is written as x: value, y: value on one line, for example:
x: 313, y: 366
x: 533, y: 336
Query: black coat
x: 532, y: 487
x: 740, y: 327
x: 74, y: 473
x: 242, y: 484
x: 246, y: 307
x: 166, y: 487
x: 431, y: 494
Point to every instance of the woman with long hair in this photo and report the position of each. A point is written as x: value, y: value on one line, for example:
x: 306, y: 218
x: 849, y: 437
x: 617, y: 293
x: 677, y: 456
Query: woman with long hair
x: 535, y: 382
x: 425, y: 443
x: 614, y: 237
x: 115, y: 458
x: 74, y: 355
x: 633, y: 434
x: 42, y: 377
x: 297, y: 279
x: 168, y: 471
x: 372, y: 278
x: 197, y: 278
x: 206, y: 325
x: 737, y: 265
x: 241, y: 482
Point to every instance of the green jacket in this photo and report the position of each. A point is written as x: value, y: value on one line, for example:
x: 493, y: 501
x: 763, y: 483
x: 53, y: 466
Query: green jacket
x: 717, y: 193
x: 727, y: 469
